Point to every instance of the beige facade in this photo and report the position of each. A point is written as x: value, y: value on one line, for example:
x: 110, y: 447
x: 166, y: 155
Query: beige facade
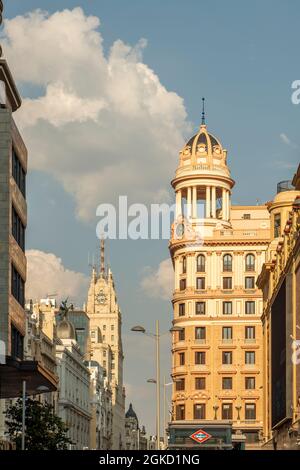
x: 280, y: 282
x: 106, y: 343
x: 217, y: 251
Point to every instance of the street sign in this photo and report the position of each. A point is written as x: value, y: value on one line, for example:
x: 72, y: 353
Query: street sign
x: 200, y: 436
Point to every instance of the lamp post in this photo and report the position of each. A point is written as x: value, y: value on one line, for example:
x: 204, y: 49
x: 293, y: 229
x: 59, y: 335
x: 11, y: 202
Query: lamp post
x: 156, y: 336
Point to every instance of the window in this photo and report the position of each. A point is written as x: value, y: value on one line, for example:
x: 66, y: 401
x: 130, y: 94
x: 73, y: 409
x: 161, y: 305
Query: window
x: 200, y: 283
x: 277, y: 225
x: 250, y: 411
x: 227, y: 308
x: 200, y: 263
x: 181, y: 335
x: 103, y: 338
x: 182, y: 284
x: 18, y: 229
x: 181, y: 359
x: 104, y: 353
x: 200, y: 383
x: 227, y: 263
x: 112, y: 338
x: 227, y: 282
x: 17, y: 342
x: 183, y: 265
x: 227, y: 357
x: 181, y: 311
x: 250, y: 332
x: 227, y: 383
x: 249, y: 282
x: 246, y: 216
x: 180, y: 412
x: 200, y: 332
x: 180, y: 384
x: 18, y: 173
x: 250, y: 383
x: 112, y: 327
x: 250, y: 357
x: 250, y: 263
x: 227, y: 332
x: 200, y: 357
x: 200, y: 308
x: 104, y: 327
x: 17, y: 286
x: 199, y: 411
x: 250, y: 307
x: 226, y: 410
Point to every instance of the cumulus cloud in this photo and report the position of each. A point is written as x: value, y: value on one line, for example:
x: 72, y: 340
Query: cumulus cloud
x: 46, y: 274
x: 103, y: 125
x: 159, y: 283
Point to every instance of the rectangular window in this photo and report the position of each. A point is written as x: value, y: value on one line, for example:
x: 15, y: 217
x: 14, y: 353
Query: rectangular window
x: 181, y: 359
x: 182, y: 284
x: 246, y: 216
x: 227, y: 383
x: 184, y: 265
x: 199, y: 357
x: 249, y: 282
x: 277, y: 225
x: 250, y: 411
x: 250, y: 332
x: 18, y: 173
x: 17, y: 343
x: 199, y: 411
x: 181, y: 310
x: 227, y: 332
x: 227, y: 411
x: 200, y: 332
x: 17, y: 286
x: 250, y: 357
x: 227, y: 357
x: 250, y: 307
x: 181, y: 335
x: 200, y: 308
x: 227, y: 308
x: 250, y: 383
x: 200, y: 383
x: 180, y: 385
x: 200, y: 283
x: 180, y: 412
x: 227, y: 282
x: 18, y: 229
x: 112, y: 327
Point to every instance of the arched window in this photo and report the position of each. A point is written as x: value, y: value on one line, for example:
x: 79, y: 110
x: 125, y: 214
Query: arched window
x: 200, y: 263
x: 250, y: 262
x: 183, y: 265
x: 227, y: 263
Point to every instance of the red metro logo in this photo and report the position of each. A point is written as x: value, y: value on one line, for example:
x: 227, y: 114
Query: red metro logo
x: 200, y: 436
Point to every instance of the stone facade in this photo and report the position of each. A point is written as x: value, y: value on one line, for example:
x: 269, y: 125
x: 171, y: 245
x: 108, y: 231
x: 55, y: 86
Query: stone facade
x: 280, y: 282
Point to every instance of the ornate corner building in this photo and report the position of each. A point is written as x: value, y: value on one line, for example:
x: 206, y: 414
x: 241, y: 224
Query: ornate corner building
x: 217, y: 251
x: 106, y: 343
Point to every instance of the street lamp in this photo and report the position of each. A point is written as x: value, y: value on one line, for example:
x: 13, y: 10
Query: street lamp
x: 156, y: 336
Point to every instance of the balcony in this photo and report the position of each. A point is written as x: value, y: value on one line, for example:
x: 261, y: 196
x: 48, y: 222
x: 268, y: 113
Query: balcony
x: 250, y: 340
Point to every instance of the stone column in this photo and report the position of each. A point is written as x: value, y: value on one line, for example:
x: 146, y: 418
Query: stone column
x: 189, y: 202
x: 178, y: 204
x: 194, y: 203
x: 228, y: 205
x: 223, y: 203
x: 207, y: 205
x: 213, y: 202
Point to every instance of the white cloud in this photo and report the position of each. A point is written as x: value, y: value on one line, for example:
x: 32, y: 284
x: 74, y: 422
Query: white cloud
x: 159, y: 283
x: 103, y: 125
x: 286, y: 140
x: 46, y: 274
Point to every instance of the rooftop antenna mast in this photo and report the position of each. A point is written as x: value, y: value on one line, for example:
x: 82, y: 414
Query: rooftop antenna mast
x: 203, y: 112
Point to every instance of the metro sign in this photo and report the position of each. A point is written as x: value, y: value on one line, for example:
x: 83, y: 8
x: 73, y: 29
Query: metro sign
x: 200, y: 436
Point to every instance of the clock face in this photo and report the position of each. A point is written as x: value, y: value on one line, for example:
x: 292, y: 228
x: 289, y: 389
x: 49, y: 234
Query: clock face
x: 180, y: 230
x: 101, y: 297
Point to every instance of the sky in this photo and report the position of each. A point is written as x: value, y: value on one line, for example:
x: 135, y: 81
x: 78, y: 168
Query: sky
x: 111, y: 90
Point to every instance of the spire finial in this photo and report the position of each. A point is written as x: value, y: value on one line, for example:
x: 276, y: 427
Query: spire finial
x: 203, y: 112
x: 102, y: 259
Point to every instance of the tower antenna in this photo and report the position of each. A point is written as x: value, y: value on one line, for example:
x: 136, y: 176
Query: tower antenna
x: 102, y: 257
x: 203, y: 112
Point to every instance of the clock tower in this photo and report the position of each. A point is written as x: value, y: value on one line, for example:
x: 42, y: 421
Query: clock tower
x: 106, y: 341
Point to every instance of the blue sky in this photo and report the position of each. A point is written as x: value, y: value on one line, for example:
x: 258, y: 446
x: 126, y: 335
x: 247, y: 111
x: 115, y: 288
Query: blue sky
x: 243, y: 57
